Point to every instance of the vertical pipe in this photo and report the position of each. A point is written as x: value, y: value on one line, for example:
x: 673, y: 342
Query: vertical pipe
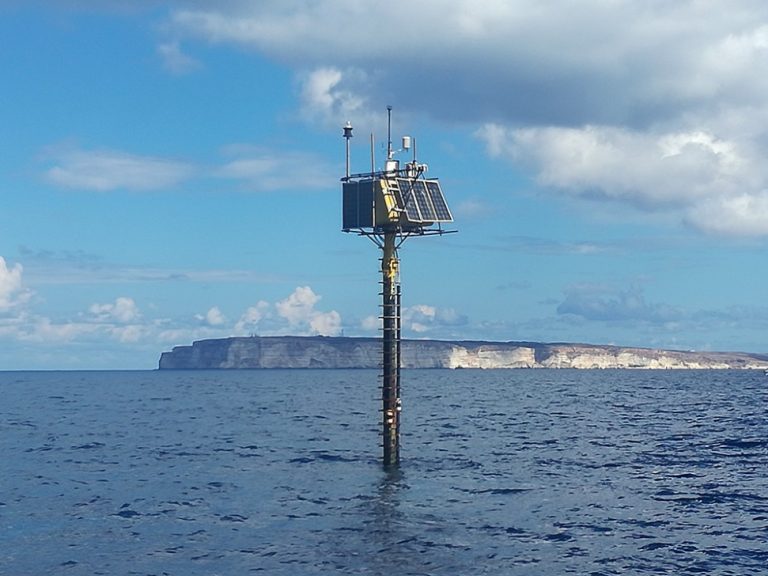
x: 347, y: 136
x: 390, y: 386
x: 373, y: 157
x: 390, y: 153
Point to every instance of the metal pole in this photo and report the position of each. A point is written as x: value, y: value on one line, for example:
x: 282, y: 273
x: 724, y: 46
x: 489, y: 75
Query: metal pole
x: 390, y: 386
x: 347, y: 136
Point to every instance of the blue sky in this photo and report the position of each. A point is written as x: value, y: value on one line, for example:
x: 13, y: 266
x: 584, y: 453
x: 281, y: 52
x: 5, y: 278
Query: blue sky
x: 169, y: 171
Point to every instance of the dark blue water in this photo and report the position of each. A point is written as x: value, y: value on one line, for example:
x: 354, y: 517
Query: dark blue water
x: 520, y: 472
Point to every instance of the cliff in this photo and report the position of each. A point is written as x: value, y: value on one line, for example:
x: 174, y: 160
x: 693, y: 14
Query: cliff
x: 331, y: 352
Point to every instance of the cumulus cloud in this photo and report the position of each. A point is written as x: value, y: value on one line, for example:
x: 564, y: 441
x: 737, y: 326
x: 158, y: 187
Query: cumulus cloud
x: 119, y: 320
x: 251, y: 319
x: 299, y: 306
x: 299, y: 310
x: 107, y: 170
x: 662, y: 106
x: 326, y: 323
x: 741, y: 214
x: 123, y: 310
x: 694, y: 172
x: 559, y: 63
x: 122, y: 320
x: 327, y: 93
x: 127, y: 334
x: 40, y: 329
x: 214, y: 317
x: 12, y: 291
x: 423, y: 318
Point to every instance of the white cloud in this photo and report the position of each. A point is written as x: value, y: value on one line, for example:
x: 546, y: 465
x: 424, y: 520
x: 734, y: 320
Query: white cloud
x: 250, y: 320
x: 12, y: 291
x: 265, y: 170
x: 179, y: 335
x: 128, y: 334
x: 659, y: 105
x: 123, y: 310
x: 214, y: 317
x: 592, y: 61
x: 326, y: 323
x: 106, y: 170
x: 472, y: 208
x: 370, y: 323
x: 299, y: 306
x: 422, y: 318
x: 175, y: 60
x: 326, y: 96
x: 44, y: 330
x: 695, y: 172
x: 120, y: 320
x: 738, y: 215
x: 299, y: 310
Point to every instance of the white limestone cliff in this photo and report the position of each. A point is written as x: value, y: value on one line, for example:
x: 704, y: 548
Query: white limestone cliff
x: 327, y: 352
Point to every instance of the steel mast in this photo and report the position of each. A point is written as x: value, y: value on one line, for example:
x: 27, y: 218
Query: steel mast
x: 388, y: 207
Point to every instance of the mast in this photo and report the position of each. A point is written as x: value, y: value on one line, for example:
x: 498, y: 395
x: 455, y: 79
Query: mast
x: 388, y: 207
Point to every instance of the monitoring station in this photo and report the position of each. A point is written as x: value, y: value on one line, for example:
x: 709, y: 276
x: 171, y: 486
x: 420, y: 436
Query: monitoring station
x: 389, y: 206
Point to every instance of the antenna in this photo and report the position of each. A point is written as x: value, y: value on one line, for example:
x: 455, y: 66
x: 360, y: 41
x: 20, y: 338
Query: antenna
x: 390, y: 154
x: 373, y: 155
x: 347, y: 136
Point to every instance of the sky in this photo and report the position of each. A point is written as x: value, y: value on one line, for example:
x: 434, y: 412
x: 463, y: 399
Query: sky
x: 169, y: 172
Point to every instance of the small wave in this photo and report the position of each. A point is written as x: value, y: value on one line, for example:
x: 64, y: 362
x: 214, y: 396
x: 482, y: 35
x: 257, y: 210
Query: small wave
x: 743, y: 443
x: 495, y: 491
x: 706, y: 497
x: 655, y: 546
x: 233, y: 518
x: 128, y: 513
x: 558, y: 537
x: 89, y: 446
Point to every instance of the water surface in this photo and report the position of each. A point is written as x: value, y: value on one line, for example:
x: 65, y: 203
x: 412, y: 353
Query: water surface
x: 519, y: 472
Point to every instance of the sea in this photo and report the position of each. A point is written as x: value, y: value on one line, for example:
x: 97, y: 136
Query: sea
x: 278, y: 472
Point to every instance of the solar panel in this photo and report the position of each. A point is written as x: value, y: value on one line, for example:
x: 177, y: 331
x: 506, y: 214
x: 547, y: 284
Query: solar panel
x: 422, y: 199
x: 357, y: 207
x: 443, y: 214
x: 411, y: 205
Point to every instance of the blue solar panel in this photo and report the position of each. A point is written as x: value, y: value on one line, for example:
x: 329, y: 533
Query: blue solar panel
x: 423, y: 201
x: 357, y: 207
x: 409, y: 201
x: 443, y: 214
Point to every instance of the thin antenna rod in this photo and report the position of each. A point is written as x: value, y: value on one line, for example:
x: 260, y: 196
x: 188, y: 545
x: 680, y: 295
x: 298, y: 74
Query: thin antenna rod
x: 373, y: 158
x: 390, y: 153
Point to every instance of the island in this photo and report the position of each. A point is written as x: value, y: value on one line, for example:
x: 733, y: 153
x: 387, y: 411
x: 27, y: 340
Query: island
x: 349, y: 352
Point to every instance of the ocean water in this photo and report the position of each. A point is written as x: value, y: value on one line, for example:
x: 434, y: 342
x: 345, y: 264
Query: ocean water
x: 513, y: 472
